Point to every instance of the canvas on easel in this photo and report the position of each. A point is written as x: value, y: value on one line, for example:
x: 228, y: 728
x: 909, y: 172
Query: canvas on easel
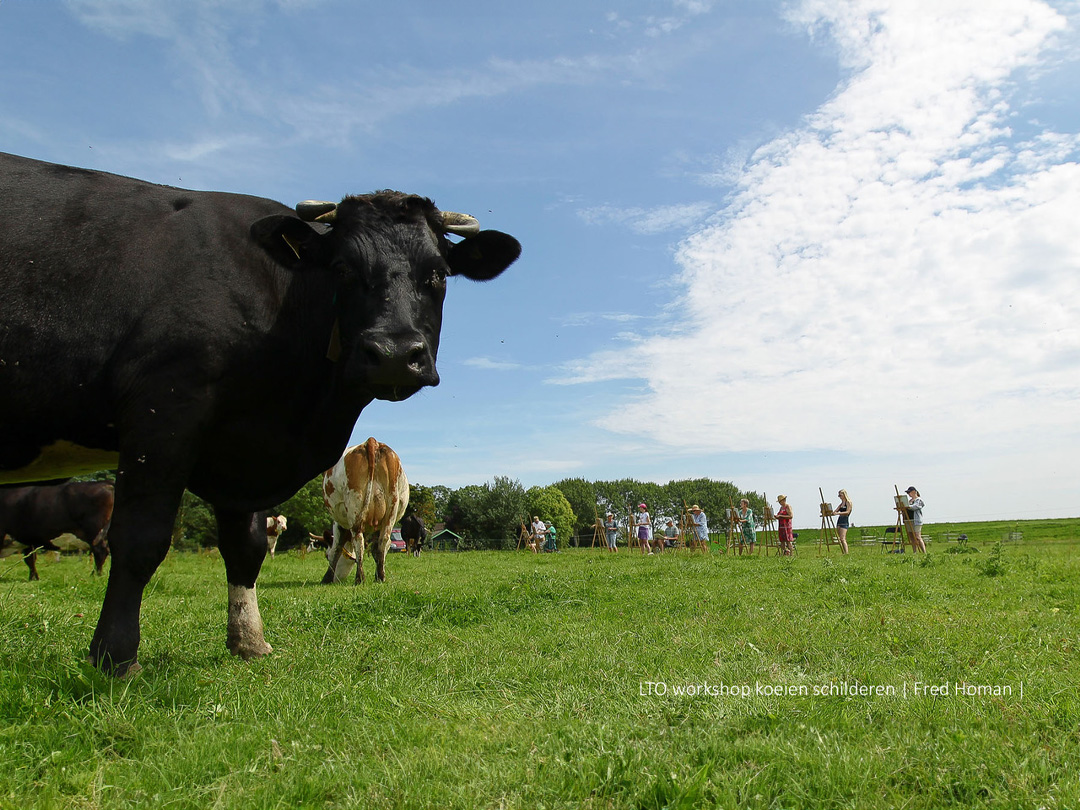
x: 827, y: 536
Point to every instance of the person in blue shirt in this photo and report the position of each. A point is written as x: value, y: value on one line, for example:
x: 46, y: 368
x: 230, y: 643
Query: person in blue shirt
x: 700, y: 526
x: 915, y: 507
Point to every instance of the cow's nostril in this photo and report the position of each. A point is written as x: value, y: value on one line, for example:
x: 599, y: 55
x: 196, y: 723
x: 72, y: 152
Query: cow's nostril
x: 417, y: 355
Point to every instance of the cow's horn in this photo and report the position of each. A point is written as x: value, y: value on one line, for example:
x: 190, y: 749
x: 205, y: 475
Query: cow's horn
x: 316, y: 211
x: 460, y: 224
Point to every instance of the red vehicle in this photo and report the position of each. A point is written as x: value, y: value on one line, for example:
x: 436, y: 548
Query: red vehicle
x: 396, y: 543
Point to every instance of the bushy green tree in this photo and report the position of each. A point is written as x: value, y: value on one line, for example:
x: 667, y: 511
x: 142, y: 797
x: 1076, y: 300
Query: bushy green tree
x: 422, y: 503
x: 581, y: 495
x: 551, y: 506
x: 487, y: 516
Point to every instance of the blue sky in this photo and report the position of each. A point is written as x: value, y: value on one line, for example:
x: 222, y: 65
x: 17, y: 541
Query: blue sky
x: 791, y: 245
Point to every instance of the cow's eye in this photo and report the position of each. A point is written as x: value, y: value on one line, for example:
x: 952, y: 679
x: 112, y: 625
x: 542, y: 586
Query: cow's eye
x: 437, y: 280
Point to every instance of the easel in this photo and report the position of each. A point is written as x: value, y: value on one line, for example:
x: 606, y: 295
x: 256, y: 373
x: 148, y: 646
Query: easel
x: 769, y: 537
x: 734, y: 530
x: 599, y: 535
x: 632, y: 541
x: 688, y: 532
x: 903, y: 521
x: 828, y: 536
x: 525, y: 538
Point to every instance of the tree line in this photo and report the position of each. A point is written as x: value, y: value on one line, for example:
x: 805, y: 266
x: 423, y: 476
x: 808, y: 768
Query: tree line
x: 492, y: 515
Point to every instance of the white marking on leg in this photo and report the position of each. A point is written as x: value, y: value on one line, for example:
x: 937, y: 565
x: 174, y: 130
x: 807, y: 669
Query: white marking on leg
x: 245, y: 629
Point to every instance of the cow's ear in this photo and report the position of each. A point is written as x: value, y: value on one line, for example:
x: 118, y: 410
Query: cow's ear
x: 287, y: 239
x: 484, y: 256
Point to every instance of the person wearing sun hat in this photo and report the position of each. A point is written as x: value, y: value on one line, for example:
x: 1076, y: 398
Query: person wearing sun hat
x: 701, y: 526
x: 612, y: 530
x: 784, y: 516
x: 915, y: 507
x: 644, y: 528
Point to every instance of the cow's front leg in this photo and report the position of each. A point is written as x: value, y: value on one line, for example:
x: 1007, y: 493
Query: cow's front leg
x: 140, y: 535
x: 242, y: 541
x: 31, y: 562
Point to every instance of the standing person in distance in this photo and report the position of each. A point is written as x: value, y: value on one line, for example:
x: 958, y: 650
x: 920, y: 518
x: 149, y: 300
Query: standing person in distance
x: 746, y: 524
x: 612, y: 530
x: 644, y: 528
x: 539, y: 533
x: 915, y: 507
x: 784, y: 516
x: 843, y: 511
x: 701, y: 527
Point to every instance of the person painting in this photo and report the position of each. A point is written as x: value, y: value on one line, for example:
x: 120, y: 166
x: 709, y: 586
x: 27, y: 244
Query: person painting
x: 551, y: 545
x: 644, y: 528
x: 539, y: 533
x: 746, y: 524
x: 671, y: 534
x: 611, y: 528
x: 784, y: 516
x: 700, y: 525
x: 843, y: 511
x: 915, y: 507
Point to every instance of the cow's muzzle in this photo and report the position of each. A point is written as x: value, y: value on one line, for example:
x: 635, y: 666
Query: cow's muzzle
x: 397, y: 368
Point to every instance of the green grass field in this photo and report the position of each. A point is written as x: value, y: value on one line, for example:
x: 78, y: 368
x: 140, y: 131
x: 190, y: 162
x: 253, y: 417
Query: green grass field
x: 583, y: 679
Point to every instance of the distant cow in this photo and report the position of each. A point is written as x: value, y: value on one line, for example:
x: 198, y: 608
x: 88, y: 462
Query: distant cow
x: 366, y: 493
x: 146, y: 329
x: 275, y: 525
x: 34, y: 516
x: 414, y: 533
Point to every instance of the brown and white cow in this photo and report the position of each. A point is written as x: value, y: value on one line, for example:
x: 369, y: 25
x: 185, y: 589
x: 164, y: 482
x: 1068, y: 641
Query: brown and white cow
x: 275, y: 525
x: 366, y: 493
x: 34, y: 516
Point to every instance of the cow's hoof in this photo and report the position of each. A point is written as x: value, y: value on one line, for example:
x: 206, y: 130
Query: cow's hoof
x: 123, y: 671
x: 250, y: 649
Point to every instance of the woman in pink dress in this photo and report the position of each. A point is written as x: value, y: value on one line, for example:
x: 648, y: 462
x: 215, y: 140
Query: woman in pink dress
x: 783, y: 521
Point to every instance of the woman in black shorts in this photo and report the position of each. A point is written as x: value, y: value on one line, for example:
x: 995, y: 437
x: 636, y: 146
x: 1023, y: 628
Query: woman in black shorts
x: 842, y: 512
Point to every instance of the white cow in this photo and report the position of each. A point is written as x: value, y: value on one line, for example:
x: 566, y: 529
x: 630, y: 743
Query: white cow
x: 366, y: 493
x: 275, y: 525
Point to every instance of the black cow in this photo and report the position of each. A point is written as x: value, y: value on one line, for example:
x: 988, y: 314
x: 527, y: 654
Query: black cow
x: 148, y: 329
x: 34, y: 516
x: 414, y: 533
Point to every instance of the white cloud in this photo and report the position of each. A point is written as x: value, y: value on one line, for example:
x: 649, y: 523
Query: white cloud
x: 900, y: 271
x: 649, y: 220
x: 488, y: 364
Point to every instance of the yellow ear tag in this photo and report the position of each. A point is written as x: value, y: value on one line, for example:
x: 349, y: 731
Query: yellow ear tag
x: 292, y: 245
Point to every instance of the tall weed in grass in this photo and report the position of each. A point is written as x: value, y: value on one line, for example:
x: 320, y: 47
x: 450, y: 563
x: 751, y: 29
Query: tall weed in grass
x: 582, y: 679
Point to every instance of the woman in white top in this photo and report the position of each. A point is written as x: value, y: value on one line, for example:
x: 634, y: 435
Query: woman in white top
x: 644, y: 528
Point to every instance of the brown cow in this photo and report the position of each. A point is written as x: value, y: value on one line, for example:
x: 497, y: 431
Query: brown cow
x: 275, y: 525
x: 366, y: 492
x: 34, y: 516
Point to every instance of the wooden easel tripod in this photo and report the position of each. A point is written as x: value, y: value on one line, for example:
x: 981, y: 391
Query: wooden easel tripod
x: 903, y: 523
x: 525, y: 538
x: 599, y: 534
x: 828, y: 536
x: 688, y: 532
x: 769, y: 537
x: 735, y: 537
